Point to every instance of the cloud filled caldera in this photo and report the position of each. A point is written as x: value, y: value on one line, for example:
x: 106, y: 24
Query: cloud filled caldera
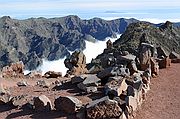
x: 91, y: 51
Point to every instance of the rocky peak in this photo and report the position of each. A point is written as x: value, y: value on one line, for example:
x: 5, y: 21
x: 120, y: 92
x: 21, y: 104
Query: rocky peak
x: 167, y: 25
x: 137, y: 33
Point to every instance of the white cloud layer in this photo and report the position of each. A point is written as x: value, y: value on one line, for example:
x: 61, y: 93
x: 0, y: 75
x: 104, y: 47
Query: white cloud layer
x: 91, y: 51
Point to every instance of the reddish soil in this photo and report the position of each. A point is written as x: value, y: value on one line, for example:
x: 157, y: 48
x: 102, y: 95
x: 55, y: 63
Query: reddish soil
x: 67, y: 89
x: 163, y: 100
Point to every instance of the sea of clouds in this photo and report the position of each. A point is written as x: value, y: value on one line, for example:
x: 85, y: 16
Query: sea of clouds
x: 91, y: 51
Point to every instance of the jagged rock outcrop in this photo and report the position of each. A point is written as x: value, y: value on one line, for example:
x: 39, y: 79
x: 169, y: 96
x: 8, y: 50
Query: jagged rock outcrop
x: 76, y: 63
x: 142, y: 40
x: 14, y: 70
x: 166, y: 36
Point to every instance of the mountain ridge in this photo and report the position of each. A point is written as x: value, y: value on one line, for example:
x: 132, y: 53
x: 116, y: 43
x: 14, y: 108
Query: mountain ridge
x: 34, y: 39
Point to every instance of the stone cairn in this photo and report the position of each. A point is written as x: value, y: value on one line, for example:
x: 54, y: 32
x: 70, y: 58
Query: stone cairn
x: 76, y: 63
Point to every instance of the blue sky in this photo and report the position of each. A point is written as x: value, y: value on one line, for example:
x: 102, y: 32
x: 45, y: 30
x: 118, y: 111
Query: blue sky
x: 151, y: 10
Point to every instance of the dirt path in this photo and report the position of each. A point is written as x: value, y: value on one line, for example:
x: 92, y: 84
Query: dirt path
x: 163, y: 100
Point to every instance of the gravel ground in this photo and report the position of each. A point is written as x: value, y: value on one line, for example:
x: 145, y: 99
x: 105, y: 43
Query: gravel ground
x: 163, y: 100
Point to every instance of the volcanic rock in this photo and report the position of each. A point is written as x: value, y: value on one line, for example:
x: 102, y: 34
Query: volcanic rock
x: 145, y: 55
x: 76, y: 63
x: 34, y: 74
x: 132, y: 67
x: 43, y: 83
x: 89, y: 84
x: 103, y: 108
x: 109, y: 44
x: 132, y: 102
x: 174, y: 55
x: 22, y: 83
x: 67, y: 104
x: 108, y: 72
x: 5, y: 98
x: 18, y: 101
x: 52, y: 74
x: 115, y: 87
x: 14, y: 70
x: 42, y: 103
x: 154, y: 67
x: 135, y: 81
x: 164, y: 63
x: 78, y: 79
x: 142, y: 32
x: 30, y: 43
x: 161, y: 52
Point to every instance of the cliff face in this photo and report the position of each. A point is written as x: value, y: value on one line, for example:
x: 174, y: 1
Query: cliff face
x: 32, y: 39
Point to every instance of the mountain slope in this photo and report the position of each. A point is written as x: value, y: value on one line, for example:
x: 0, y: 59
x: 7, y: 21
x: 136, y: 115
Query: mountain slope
x: 165, y: 36
x: 32, y: 39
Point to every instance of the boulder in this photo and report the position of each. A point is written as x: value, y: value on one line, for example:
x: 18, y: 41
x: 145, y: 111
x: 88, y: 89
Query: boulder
x: 126, y: 58
x: 14, y: 70
x: 154, y: 67
x: 76, y: 63
x: 52, y: 74
x: 67, y: 104
x: 123, y: 116
x: 114, y: 78
x: 103, y: 108
x: 43, y: 83
x: 114, y: 71
x: 145, y: 53
x: 42, y: 103
x: 34, y: 74
x: 164, y: 63
x: 22, y: 83
x: 132, y: 67
x: 174, y: 55
x: 109, y: 44
x: 89, y: 84
x: 18, y: 101
x: 123, y: 72
x: 175, y: 60
x: 5, y: 98
x: 132, y: 102
x: 78, y: 79
x: 130, y: 91
x: 108, y: 72
x: 115, y: 87
x: 135, y: 81
x: 161, y: 52
x: 4, y: 95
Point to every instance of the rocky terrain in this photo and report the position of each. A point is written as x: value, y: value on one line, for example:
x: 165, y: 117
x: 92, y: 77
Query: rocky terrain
x: 33, y: 39
x: 165, y: 38
x: 115, y: 85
